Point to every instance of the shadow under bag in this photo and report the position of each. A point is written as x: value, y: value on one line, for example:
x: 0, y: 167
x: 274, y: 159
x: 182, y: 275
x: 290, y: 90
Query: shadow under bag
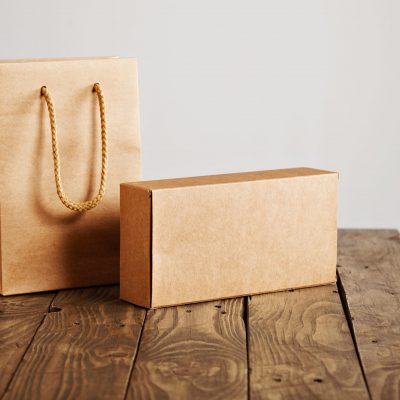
x: 69, y: 132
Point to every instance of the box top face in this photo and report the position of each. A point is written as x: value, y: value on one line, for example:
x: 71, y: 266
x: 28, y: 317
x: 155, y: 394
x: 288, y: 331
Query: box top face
x: 227, y: 178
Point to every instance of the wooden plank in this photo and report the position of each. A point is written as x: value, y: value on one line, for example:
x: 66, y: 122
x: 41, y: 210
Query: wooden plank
x: 20, y: 317
x: 300, y: 347
x: 369, y: 270
x: 85, y: 350
x: 192, y: 352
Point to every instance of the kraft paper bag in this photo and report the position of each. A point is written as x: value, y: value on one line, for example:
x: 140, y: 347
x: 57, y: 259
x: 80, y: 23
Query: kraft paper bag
x: 69, y: 133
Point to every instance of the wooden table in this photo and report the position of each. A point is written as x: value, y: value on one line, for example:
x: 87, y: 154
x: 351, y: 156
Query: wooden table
x: 328, y: 342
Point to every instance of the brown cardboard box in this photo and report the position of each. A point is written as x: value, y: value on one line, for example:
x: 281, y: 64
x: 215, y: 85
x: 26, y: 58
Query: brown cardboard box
x: 203, y: 238
x: 44, y: 245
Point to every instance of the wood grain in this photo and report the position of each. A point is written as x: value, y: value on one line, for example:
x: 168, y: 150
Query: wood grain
x: 20, y: 317
x: 369, y: 270
x: 83, y: 349
x: 300, y: 347
x: 192, y: 352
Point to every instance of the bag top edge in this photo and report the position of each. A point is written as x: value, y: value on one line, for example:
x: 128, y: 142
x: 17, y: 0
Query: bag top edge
x: 38, y: 60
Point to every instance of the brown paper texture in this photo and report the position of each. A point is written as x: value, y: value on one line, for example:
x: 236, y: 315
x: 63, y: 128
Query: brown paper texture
x: 45, y: 246
x: 136, y: 248
x: 228, y: 235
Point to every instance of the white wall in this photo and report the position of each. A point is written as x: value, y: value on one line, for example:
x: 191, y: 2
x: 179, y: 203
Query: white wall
x: 245, y: 85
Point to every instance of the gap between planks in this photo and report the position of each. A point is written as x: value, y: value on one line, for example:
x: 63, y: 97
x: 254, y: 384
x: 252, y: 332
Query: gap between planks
x: 300, y: 346
x: 294, y: 344
x: 218, y: 321
x: 135, y: 357
x: 349, y: 319
x: 49, y: 310
x: 192, y: 351
x: 351, y: 257
x: 84, y: 349
x: 369, y: 270
x: 21, y: 317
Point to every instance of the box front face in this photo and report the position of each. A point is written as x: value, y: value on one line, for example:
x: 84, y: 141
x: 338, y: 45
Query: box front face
x: 253, y: 237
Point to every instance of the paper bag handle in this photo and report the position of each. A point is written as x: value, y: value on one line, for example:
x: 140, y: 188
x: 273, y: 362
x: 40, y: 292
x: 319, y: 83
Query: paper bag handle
x: 88, y: 204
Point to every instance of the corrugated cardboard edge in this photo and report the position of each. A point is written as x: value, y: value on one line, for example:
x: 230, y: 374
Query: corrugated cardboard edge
x: 136, y: 245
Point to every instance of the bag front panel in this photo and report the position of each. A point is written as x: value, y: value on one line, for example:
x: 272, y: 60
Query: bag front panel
x: 46, y: 246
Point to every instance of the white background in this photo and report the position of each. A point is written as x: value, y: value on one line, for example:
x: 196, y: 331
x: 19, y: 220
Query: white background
x: 230, y: 86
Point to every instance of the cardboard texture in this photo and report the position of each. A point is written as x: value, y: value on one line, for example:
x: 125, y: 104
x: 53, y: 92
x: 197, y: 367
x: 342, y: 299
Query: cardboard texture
x: 44, y: 245
x: 203, y: 238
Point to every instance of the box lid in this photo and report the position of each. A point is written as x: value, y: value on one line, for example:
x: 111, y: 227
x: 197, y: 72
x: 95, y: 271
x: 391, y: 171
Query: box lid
x: 228, y: 178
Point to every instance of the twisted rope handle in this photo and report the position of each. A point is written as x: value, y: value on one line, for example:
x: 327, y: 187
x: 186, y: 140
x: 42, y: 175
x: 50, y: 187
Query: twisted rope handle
x: 89, y: 204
